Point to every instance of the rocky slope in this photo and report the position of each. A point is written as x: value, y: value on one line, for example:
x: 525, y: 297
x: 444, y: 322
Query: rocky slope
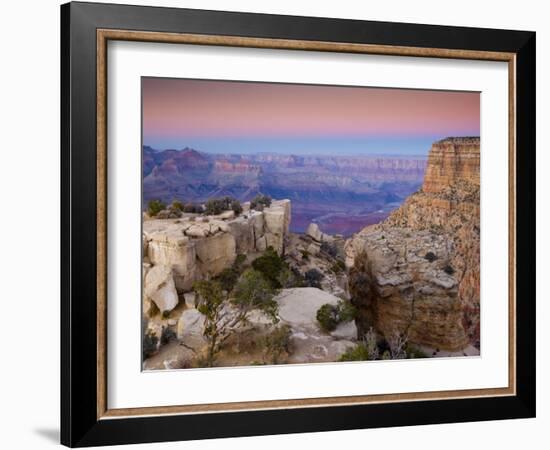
x: 195, y: 247
x: 418, y: 271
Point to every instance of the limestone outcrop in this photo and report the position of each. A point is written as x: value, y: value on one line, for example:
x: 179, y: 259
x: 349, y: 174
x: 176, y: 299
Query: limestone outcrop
x: 401, y: 283
x: 426, y: 255
x: 197, y: 247
x: 159, y: 287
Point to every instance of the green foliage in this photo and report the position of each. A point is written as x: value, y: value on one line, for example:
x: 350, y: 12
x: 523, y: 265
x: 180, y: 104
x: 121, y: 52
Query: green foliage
x: 305, y: 254
x: 228, y: 277
x: 346, y: 311
x: 357, y: 353
x: 177, y: 205
x: 155, y: 206
x: 414, y: 352
x: 430, y: 256
x: 276, y: 344
x: 150, y: 344
x: 327, y: 316
x: 216, y: 206
x: 260, y: 201
x: 290, y: 278
x: 313, y: 278
x: 193, y: 208
x: 240, y: 260
x: 448, y: 270
x: 270, y: 265
x: 253, y: 290
x: 210, y: 304
x: 236, y: 207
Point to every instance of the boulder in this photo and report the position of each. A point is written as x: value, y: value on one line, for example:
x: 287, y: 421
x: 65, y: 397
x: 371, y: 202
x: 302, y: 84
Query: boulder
x: 189, y: 300
x: 261, y: 244
x: 190, y: 329
x: 314, y: 232
x: 243, y: 232
x: 226, y: 215
x: 177, y: 252
x: 198, y: 231
x: 160, y: 288
x: 215, y: 253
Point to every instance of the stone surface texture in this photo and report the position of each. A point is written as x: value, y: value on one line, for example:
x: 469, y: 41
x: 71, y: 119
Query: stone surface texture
x: 391, y: 271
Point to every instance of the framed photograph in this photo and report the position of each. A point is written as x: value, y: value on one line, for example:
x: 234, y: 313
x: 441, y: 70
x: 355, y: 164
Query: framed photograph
x: 277, y: 224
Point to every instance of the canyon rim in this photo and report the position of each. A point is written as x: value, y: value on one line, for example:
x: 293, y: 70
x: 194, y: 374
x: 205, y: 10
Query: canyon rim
x: 287, y: 223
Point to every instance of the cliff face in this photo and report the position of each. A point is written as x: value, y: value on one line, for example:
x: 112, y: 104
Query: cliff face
x: 440, y: 226
x: 193, y: 248
x: 452, y: 160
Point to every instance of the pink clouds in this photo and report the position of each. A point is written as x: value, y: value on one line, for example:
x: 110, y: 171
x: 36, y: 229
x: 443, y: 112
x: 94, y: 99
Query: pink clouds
x: 175, y: 107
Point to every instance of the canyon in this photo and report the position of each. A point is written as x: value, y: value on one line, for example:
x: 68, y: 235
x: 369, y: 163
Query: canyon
x: 340, y: 193
x: 413, y: 274
x: 417, y: 272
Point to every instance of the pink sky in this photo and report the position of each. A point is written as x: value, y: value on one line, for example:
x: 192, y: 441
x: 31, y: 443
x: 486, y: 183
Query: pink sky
x: 180, y: 107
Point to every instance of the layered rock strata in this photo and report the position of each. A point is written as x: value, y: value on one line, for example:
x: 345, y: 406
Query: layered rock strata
x: 433, y: 237
x: 197, y: 247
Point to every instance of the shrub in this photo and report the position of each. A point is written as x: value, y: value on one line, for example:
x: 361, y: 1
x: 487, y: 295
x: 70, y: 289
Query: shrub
x: 193, y: 208
x: 236, y: 207
x: 414, y: 352
x: 313, y: 278
x: 155, y: 206
x: 240, y: 260
x: 276, y: 344
x: 305, y: 254
x: 290, y: 277
x: 229, y: 276
x: 216, y: 206
x: 357, y: 353
x: 448, y: 270
x: 177, y: 205
x: 253, y: 290
x: 430, y: 256
x: 150, y: 344
x: 260, y: 201
x: 346, y: 311
x: 270, y: 264
x: 327, y: 316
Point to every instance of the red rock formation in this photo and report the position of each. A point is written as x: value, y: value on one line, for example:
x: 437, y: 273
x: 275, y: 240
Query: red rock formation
x: 452, y: 160
x: 447, y: 206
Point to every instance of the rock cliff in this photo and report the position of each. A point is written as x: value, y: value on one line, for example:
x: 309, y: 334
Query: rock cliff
x: 418, y: 271
x: 197, y: 247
